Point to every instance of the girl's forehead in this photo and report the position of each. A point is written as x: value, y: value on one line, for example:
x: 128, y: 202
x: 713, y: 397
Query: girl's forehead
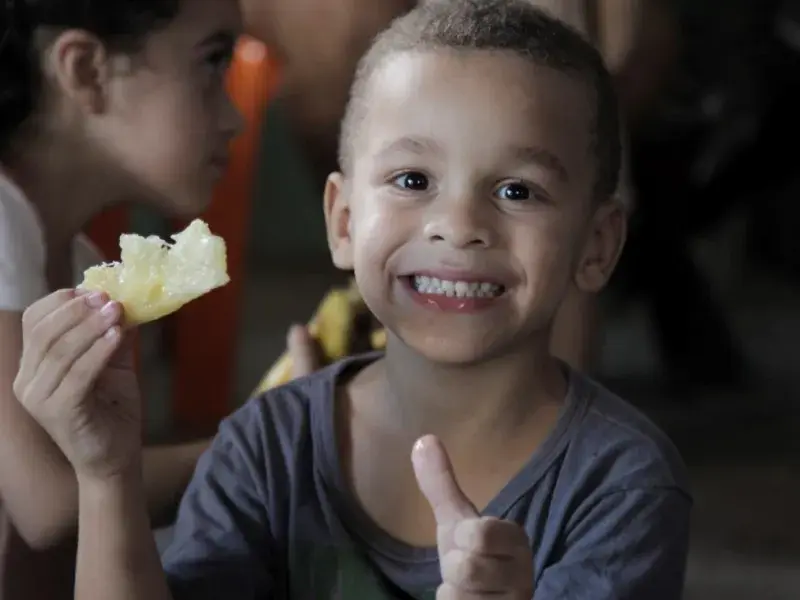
x: 202, y: 19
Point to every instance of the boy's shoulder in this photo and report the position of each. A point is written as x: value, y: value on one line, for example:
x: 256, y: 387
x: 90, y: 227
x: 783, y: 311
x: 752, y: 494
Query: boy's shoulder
x: 601, y: 444
x: 317, y: 387
x: 615, y: 446
x: 295, y: 408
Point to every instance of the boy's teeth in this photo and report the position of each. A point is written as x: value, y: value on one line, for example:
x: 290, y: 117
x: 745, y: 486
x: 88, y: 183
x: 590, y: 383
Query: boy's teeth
x: 458, y: 289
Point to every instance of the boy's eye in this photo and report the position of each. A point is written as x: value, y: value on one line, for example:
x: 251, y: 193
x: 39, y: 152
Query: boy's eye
x: 516, y: 192
x: 413, y: 181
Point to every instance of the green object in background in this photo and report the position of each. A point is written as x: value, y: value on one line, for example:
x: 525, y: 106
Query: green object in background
x: 288, y: 224
x: 148, y: 222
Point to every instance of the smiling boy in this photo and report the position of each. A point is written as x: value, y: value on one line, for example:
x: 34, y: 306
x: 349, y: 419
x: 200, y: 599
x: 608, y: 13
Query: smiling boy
x: 479, y: 155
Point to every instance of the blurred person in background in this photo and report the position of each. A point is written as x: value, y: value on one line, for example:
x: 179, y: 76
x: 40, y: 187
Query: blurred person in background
x: 639, y: 40
x: 713, y: 142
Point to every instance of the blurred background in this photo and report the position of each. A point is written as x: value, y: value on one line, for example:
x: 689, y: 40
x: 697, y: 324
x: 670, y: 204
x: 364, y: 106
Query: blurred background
x: 700, y: 329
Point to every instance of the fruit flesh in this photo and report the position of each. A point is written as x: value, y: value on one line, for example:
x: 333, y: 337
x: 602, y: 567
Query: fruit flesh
x: 155, y: 278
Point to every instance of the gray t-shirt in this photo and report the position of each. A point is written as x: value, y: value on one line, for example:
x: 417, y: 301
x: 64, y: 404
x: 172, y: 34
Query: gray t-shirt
x: 269, y: 514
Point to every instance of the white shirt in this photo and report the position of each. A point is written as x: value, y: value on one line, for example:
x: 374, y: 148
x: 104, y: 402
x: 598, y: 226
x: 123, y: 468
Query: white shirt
x: 23, y: 252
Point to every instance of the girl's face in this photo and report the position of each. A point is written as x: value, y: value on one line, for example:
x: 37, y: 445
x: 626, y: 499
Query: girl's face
x: 161, y: 120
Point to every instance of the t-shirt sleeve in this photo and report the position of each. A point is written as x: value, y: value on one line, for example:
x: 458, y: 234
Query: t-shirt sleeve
x: 625, y: 545
x: 221, y: 544
x: 22, y: 279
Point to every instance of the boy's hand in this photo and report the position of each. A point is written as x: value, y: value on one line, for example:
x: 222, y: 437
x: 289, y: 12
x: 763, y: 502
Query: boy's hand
x: 77, y: 380
x: 479, y: 556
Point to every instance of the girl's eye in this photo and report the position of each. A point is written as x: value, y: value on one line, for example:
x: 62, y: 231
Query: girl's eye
x: 219, y: 61
x: 412, y: 181
x: 515, y: 192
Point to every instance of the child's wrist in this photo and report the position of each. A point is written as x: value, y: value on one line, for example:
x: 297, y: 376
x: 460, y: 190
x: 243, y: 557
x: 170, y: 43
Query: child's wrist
x: 127, y: 480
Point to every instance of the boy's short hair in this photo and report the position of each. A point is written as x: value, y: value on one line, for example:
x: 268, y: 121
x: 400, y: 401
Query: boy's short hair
x: 508, y: 25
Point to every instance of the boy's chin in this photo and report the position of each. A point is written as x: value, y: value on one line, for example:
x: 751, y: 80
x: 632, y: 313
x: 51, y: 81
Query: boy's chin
x: 453, y: 350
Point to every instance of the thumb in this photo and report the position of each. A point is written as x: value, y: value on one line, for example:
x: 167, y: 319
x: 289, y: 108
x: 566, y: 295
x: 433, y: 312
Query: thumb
x: 438, y: 483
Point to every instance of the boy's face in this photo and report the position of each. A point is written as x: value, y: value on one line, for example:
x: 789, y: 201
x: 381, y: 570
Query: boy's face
x: 163, y: 114
x: 468, y: 212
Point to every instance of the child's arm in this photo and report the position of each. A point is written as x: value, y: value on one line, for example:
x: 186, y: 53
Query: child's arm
x: 117, y: 555
x: 167, y: 471
x: 222, y: 534
x: 37, y: 484
x: 76, y: 380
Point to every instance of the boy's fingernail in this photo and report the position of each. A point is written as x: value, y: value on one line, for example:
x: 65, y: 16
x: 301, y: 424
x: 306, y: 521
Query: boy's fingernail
x: 95, y: 300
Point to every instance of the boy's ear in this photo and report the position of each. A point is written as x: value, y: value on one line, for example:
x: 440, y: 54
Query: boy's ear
x: 337, y: 221
x: 80, y: 66
x: 608, y: 230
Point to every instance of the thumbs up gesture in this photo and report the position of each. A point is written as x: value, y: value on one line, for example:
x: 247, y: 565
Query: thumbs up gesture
x: 480, y: 557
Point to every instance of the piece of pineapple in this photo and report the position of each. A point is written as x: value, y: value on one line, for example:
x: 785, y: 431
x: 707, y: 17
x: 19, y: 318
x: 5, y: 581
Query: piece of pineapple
x: 156, y: 278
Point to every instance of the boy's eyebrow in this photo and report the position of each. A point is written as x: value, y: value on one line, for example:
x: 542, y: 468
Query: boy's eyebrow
x: 523, y: 154
x: 542, y: 157
x: 414, y: 145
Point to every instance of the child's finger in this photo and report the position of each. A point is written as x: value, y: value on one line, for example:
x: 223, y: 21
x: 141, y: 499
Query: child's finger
x: 68, y: 349
x: 438, y: 483
x: 491, y: 537
x: 304, y: 351
x: 125, y: 356
x: 448, y: 591
x: 40, y: 339
x: 83, y: 373
x: 478, y: 573
x: 46, y: 306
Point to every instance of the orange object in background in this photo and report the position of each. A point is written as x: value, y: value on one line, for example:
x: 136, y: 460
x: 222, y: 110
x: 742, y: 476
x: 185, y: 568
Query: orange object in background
x: 106, y: 229
x: 204, y: 333
x: 206, y: 330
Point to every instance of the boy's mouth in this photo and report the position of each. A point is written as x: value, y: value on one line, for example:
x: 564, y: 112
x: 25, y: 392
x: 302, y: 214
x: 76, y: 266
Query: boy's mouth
x: 454, y: 288
x: 459, y: 294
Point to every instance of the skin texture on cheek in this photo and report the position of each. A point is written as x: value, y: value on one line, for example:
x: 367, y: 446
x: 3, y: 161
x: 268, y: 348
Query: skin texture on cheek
x: 369, y: 229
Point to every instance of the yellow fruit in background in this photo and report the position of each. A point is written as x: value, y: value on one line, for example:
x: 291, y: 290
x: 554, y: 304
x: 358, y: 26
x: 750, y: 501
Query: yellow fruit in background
x: 155, y: 278
x: 378, y: 339
x: 331, y: 326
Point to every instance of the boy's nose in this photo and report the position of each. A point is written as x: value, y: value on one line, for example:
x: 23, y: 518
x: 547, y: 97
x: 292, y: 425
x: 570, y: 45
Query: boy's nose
x: 461, y: 224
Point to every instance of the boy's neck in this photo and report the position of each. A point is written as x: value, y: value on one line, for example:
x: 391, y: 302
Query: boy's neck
x: 493, y: 399
x: 64, y: 186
